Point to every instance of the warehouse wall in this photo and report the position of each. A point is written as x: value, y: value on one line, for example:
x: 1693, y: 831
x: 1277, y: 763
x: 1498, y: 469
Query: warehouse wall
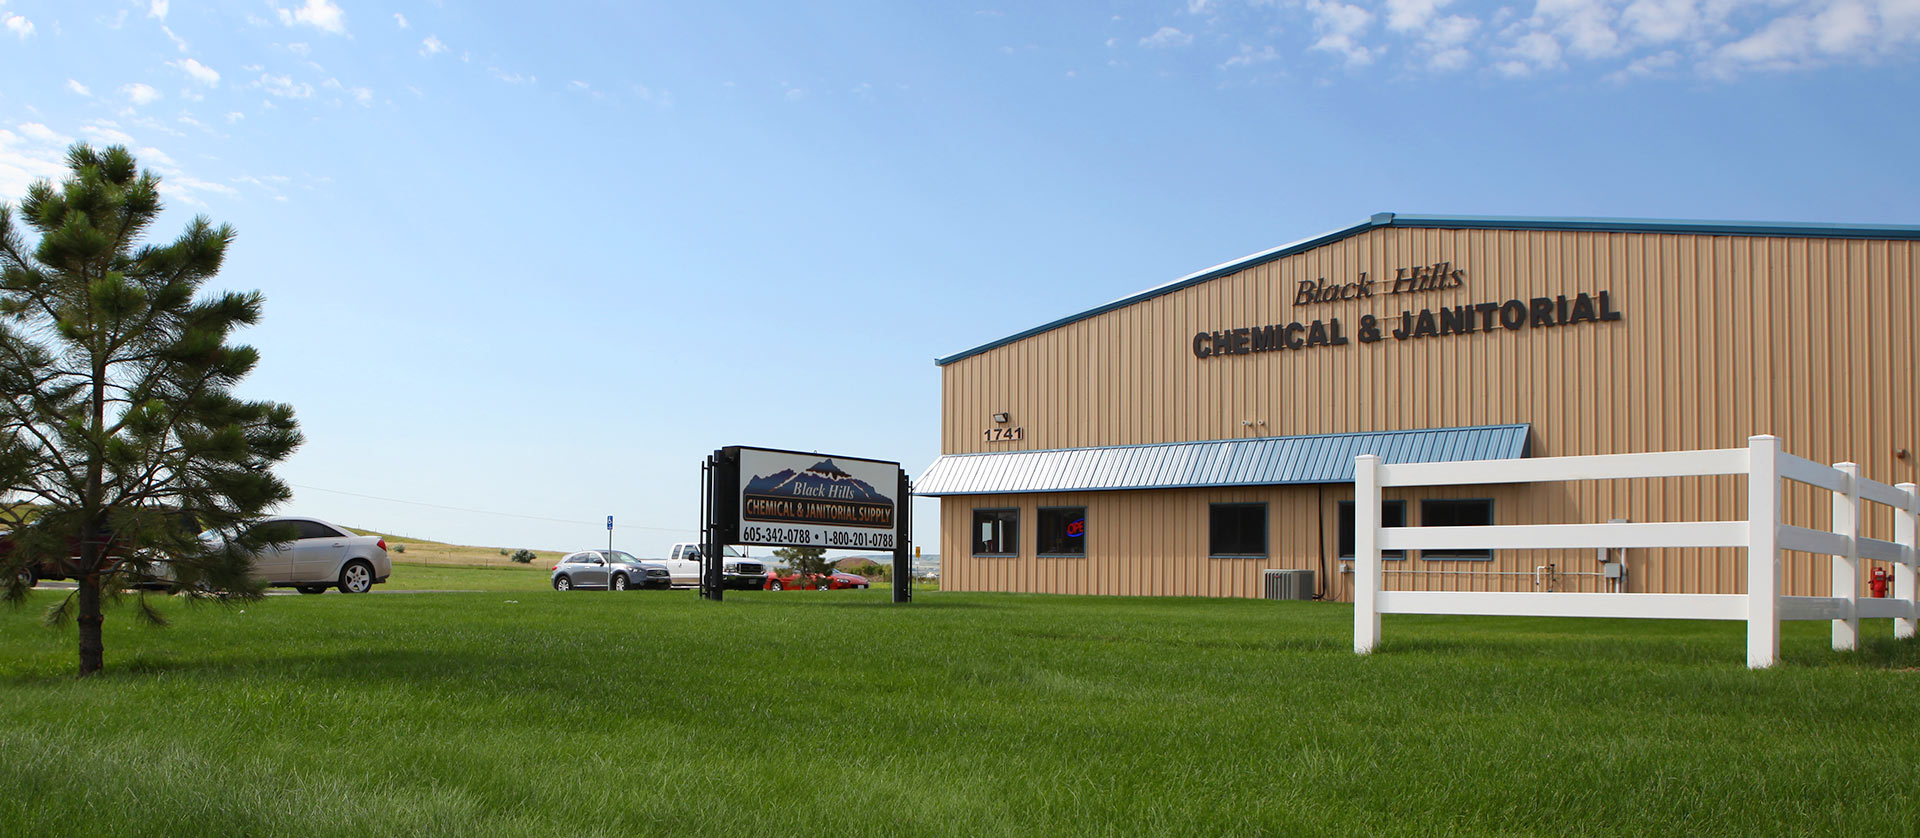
x: 1720, y: 337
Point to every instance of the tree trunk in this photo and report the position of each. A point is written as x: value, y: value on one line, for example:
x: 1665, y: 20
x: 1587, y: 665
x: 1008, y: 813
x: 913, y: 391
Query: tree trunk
x: 93, y: 652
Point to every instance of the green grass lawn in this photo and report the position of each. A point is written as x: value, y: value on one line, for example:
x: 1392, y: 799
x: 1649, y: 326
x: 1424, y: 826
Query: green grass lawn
x: 829, y: 713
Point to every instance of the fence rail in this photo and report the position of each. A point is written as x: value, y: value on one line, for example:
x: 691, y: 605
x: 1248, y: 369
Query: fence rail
x: 1763, y: 535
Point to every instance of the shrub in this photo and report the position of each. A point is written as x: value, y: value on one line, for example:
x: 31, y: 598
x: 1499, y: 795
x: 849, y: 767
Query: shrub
x: 523, y: 555
x: 503, y: 551
x: 399, y: 548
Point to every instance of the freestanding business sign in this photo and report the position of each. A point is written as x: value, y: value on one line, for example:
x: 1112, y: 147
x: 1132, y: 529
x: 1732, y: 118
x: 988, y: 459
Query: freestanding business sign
x: 772, y: 498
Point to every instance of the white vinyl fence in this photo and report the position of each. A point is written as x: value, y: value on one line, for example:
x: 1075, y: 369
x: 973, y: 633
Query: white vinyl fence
x: 1762, y: 534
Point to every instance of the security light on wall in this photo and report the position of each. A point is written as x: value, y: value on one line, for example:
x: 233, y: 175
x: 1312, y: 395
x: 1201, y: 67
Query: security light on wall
x: 1001, y: 418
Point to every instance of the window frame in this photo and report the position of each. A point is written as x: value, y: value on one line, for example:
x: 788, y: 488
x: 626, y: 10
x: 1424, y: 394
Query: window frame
x: 973, y: 533
x: 1351, y: 511
x: 1266, y: 530
x: 1457, y: 555
x: 1039, y: 522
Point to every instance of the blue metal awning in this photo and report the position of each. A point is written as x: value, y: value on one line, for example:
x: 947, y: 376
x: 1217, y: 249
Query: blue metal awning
x: 1272, y: 461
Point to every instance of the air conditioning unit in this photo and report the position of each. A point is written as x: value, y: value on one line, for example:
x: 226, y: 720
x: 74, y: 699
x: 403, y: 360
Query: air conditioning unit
x: 1286, y: 584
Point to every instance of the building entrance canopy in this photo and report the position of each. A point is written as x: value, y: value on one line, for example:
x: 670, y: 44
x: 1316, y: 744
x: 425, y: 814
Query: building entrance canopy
x: 1269, y: 461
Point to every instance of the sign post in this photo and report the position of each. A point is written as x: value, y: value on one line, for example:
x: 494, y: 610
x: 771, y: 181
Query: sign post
x: 609, y: 552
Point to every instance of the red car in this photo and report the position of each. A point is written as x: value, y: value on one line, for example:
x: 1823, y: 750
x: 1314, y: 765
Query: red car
x: 830, y: 582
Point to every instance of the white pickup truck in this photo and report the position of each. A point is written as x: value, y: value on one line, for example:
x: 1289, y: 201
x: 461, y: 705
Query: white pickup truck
x: 739, y: 569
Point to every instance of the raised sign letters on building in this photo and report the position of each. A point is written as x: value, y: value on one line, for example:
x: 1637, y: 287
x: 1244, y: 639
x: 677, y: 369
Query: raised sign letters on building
x: 1447, y: 321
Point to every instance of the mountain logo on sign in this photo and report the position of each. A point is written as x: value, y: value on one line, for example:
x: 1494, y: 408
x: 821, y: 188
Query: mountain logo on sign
x: 822, y: 480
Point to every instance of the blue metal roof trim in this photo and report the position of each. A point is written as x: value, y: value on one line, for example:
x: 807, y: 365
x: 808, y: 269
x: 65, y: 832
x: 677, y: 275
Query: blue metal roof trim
x: 1789, y: 229
x: 1270, y: 461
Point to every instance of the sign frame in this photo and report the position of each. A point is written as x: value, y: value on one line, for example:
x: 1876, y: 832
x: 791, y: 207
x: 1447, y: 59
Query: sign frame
x: 804, y: 499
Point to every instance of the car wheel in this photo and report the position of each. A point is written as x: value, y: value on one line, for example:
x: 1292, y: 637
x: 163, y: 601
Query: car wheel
x: 312, y: 589
x: 776, y: 586
x: 562, y: 583
x: 619, y: 582
x: 356, y: 577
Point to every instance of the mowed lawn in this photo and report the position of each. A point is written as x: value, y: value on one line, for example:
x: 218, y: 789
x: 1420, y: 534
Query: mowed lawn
x: 836, y: 713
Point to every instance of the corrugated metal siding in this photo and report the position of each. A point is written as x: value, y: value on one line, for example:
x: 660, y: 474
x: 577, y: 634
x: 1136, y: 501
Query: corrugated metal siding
x: 1723, y: 336
x: 1324, y: 458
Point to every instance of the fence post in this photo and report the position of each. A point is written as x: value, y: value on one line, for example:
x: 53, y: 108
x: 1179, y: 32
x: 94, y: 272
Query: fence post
x: 1366, y: 553
x: 1906, y: 578
x: 1763, y: 551
x: 1846, y: 569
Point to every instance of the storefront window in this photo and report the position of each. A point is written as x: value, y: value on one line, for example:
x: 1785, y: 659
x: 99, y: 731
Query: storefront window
x: 1456, y: 513
x: 1063, y: 531
x: 996, y: 532
x: 1237, y: 530
x: 1393, y: 513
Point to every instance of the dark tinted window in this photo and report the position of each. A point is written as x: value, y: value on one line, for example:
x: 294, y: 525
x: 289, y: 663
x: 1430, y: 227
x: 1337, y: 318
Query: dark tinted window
x: 996, y: 532
x: 1393, y: 513
x: 315, y: 529
x: 1237, y: 529
x: 1456, y: 513
x: 1063, y: 531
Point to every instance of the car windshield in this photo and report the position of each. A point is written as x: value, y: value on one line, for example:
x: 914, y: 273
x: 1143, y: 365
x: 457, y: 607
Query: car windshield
x: 734, y: 552
x: 624, y: 556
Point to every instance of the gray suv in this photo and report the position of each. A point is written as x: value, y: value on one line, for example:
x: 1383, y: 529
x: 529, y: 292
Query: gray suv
x: 591, y: 569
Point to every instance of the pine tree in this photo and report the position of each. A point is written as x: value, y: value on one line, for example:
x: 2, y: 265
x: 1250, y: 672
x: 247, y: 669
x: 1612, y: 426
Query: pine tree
x: 120, y: 436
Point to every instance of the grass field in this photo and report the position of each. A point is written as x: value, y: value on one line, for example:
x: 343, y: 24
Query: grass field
x: 828, y: 713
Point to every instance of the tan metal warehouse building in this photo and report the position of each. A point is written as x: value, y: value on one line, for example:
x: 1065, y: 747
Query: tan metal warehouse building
x: 1187, y: 439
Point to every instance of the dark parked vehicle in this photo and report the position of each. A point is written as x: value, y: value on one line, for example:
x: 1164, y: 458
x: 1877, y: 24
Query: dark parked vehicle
x: 591, y: 569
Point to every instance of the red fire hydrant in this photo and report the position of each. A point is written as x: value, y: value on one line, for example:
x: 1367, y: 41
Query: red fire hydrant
x: 1878, y: 582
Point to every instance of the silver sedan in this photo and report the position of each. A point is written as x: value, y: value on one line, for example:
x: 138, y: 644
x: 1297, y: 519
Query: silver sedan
x: 591, y: 569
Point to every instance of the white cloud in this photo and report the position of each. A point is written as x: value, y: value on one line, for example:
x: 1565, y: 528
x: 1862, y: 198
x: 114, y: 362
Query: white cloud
x: 139, y: 94
x: 300, y: 48
x: 22, y: 163
x: 1449, y: 60
x: 1167, y: 36
x: 324, y: 15
x: 1339, y: 26
x: 1843, y: 27
x: 284, y: 87
x: 19, y: 26
x: 432, y: 46
x: 179, y: 43
x: 1587, y: 25
x: 511, y: 78
x: 1651, y: 65
x: 42, y: 134
x: 154, y: 155
x: 79, y: 88
x: 1248, y: 56
x: 235, y: 116
x: 1412, y: 15
x: 107, y: 132
x: 197, y: 71
x: 401, y: 21
x: 1660, y: 21
x: 1451, y: 31
x: 1538, y: 50
x: 158, y: 8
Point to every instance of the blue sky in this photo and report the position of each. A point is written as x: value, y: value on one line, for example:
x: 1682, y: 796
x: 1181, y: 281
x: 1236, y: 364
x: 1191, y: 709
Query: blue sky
x: 533, y: 262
